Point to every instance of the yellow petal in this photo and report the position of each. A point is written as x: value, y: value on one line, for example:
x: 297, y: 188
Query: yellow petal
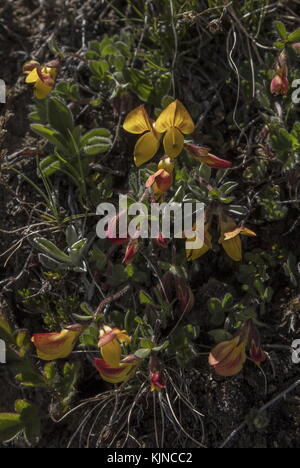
x: 32, y: 77
x: 237, y: 231
x: 194, y: 254
x: 121, y: 373
x: 173, y: 142
x: 233, y: 248
x: 175, y: 115
x: 137, y: 121
x: 145, y: 148
x: 111, y: 353
x: 41, y: 90
x: 51, y: 346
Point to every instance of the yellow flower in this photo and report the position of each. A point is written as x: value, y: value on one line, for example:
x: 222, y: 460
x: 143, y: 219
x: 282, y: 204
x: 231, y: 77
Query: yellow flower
x: 167, y: 164
x: 193, y: 254
x: 51, y: 346
x: 175, y: 121
x: 42, y: 77
x: 110, y: 339
x: 230, y: 237
x: 139, y: 122
x: 229, y: 357
x: 124, y: 371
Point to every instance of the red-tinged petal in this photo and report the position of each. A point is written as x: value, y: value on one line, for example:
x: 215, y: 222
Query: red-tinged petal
x: 202, y: 155
x: 51, y: 346
x: 161, y: 241
x: 162, y: 179
x: 157, y: 382
x: 221, y: 351
x: 130, y: 252
x: 279, y: 85
x: 28, y: 67
x: 233, y: 365
x: 122, y: 373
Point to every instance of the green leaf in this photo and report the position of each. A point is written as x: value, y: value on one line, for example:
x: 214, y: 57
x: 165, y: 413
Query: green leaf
x: 157, y: 349
x: 96, y: 132
x: 6, y: 332
x: 139, y: 84
x: 60, y: 117
x: 129, y: 321
x: 281, y: 29
x: 50, y: 371
x: 51, y: 135
x: 50, y: 249
x: 10, y: 426
x: 279, y: 45
x: 214, y: 305
x: 49, y: 165
x: 227, y: 301
x: 142, y: 353
x: 50, y: 264
x: 145, y: 298
x: 30, y: 418
x: 147, y: 344
x: 99, y: 68
x: 220, y: 335
x: 294, y: 36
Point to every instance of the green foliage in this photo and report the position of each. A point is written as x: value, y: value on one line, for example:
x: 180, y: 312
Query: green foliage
x: 26, y: 419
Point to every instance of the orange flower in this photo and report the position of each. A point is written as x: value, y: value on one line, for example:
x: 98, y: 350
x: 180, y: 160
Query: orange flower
x: 109, y: 344
x: 51, y: 346
x: 229, y: 357
x: 124, y: 371
x: 161, y: 181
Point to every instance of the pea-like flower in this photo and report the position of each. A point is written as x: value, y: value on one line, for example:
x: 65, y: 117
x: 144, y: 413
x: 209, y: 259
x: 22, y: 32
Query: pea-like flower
x: 194, y: 254
x: 230, y: 237
x: 280, y: 84
x: 157, y: 383
x: 138, y: 122
x: 202, y: 155
x: 156, y: 375
x: 131, y: 252
x: 161, y: 181
x: 176, y: 122
x: 109, y: 344
x: 51, y: 346
x: 41, y: 76
x: 123, y: 372
x: 229, y: 357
